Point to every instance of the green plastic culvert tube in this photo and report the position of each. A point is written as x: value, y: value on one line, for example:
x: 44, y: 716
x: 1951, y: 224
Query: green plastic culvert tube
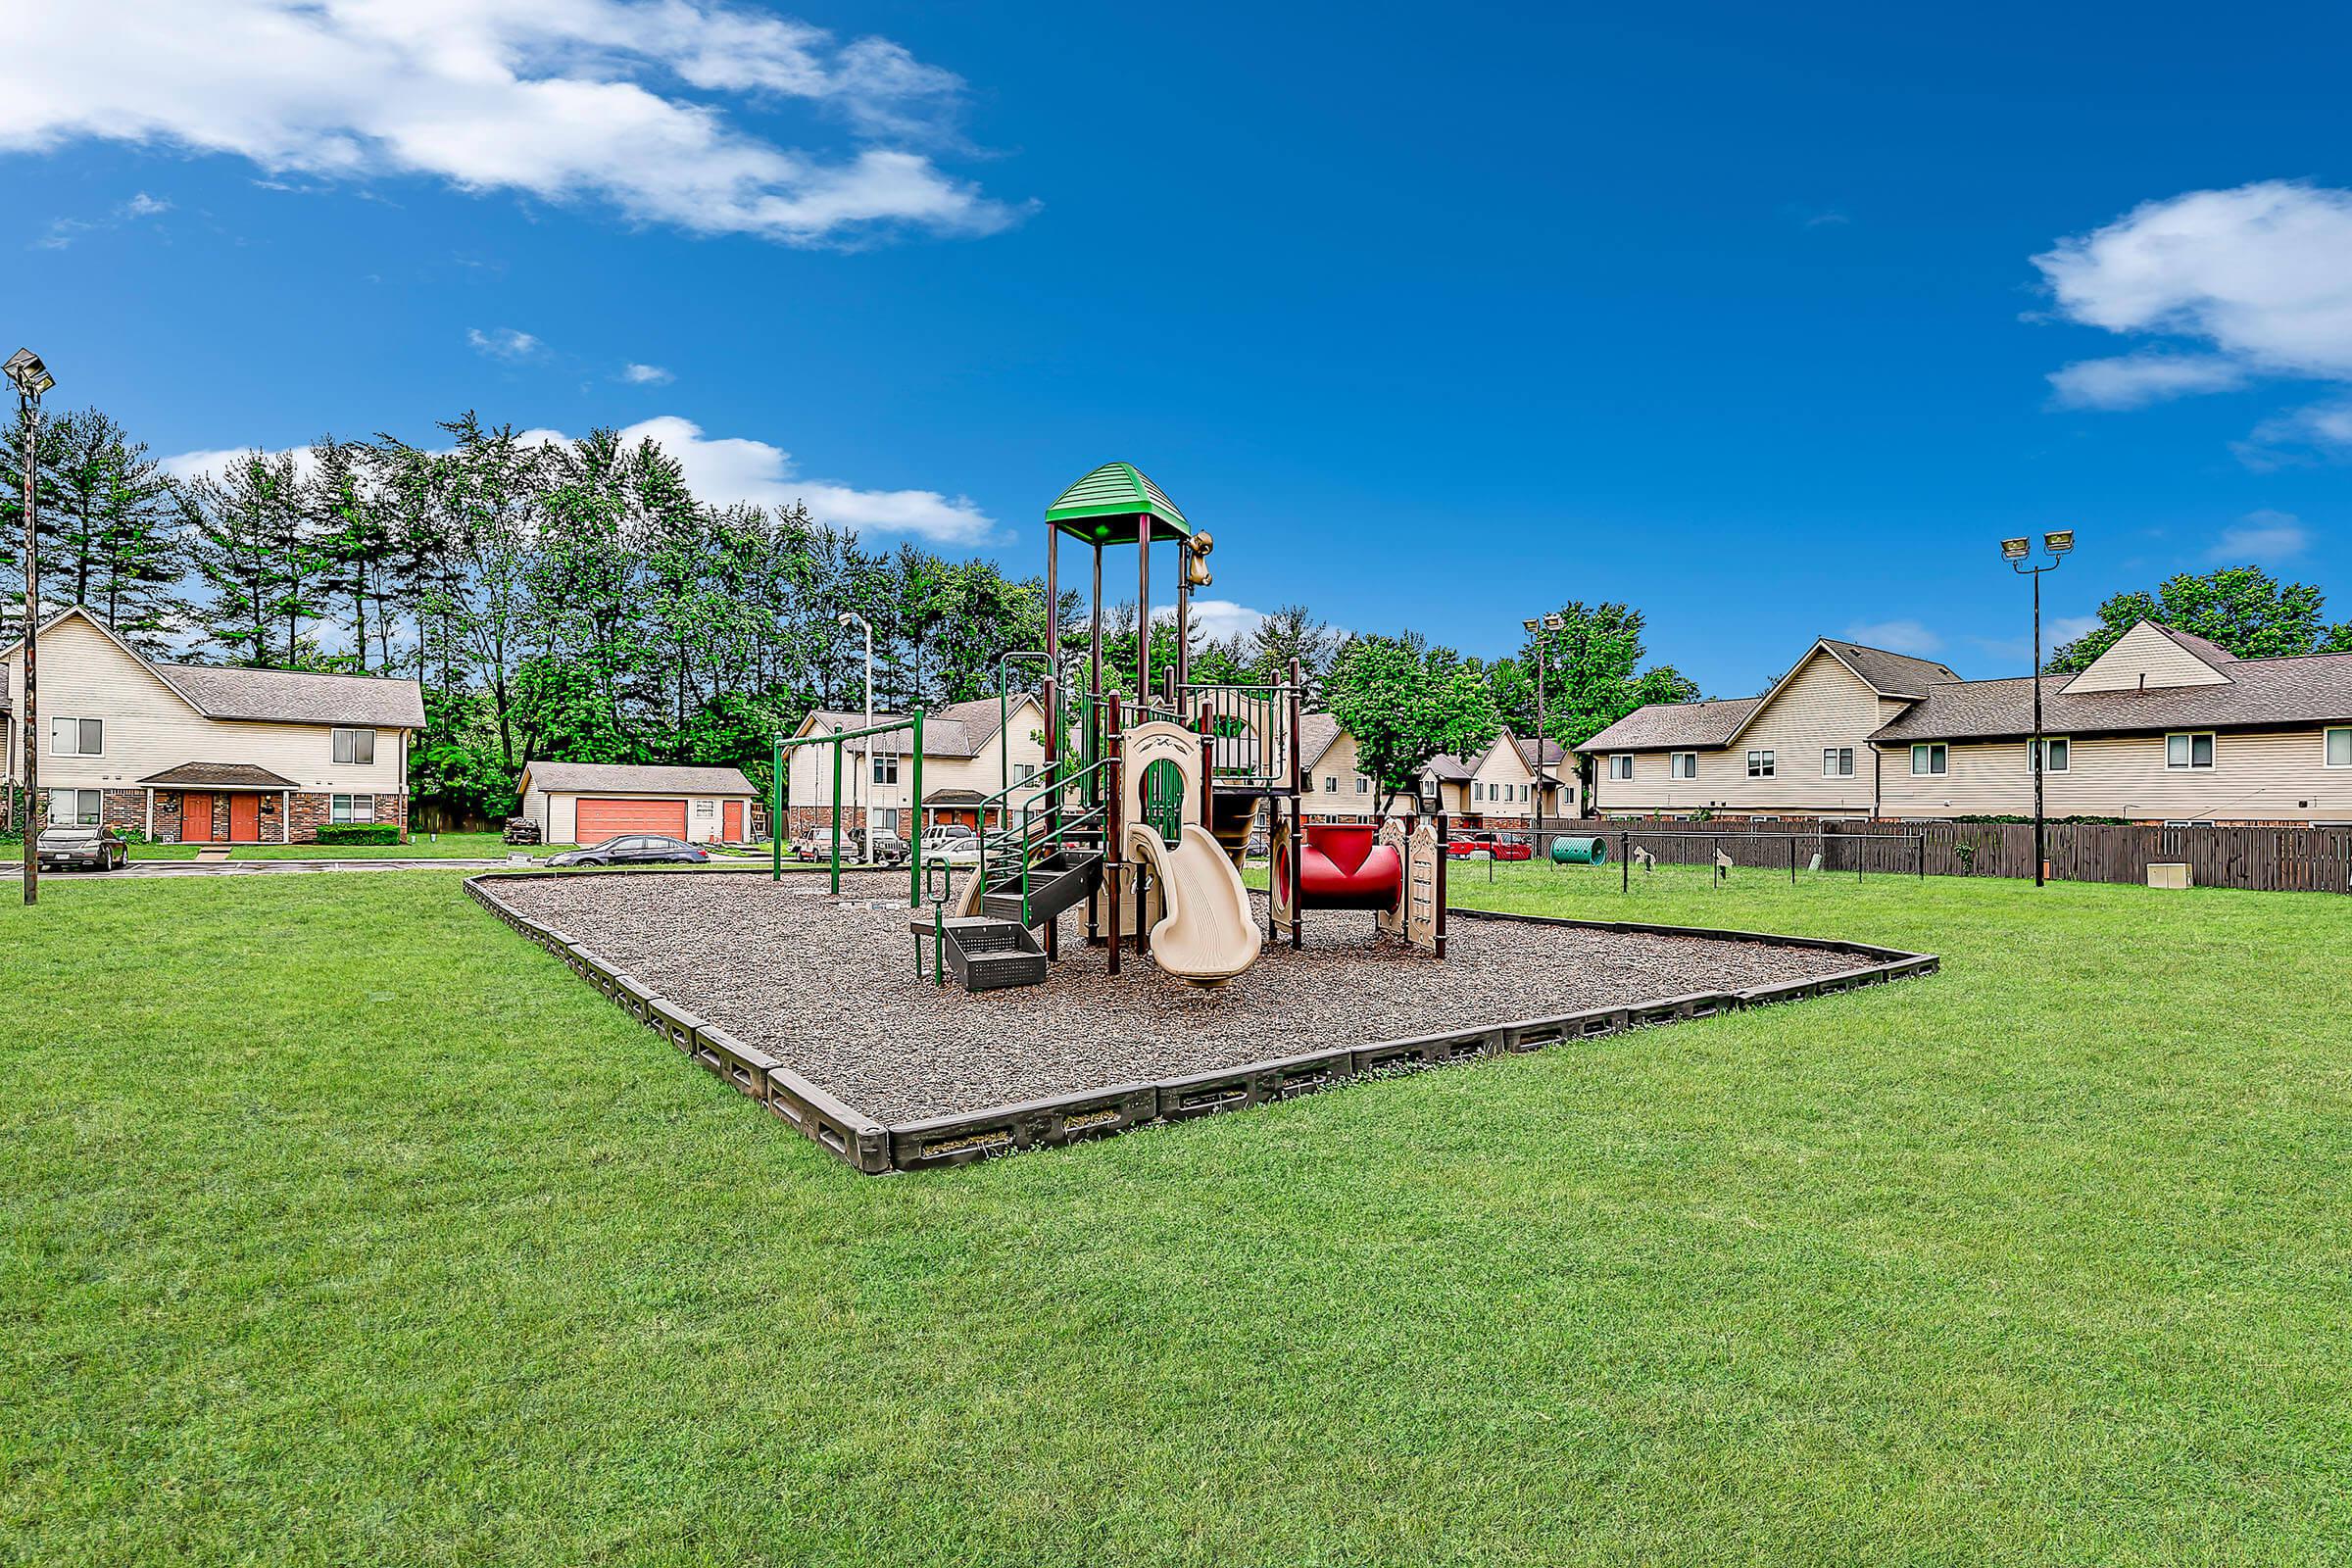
x: 1580, y: 851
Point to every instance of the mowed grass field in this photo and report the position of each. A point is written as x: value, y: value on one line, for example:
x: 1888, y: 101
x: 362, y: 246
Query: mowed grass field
x: 344, y: 1226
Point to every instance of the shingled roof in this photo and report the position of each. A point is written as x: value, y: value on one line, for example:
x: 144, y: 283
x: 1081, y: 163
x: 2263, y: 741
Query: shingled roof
x: 1316, y: 734
x: 1675, y: 726
x: 1889, y: 673
x: 958, y: 729
x: 2261, y: 693
x: 631, y: 778
x: 299, y: 696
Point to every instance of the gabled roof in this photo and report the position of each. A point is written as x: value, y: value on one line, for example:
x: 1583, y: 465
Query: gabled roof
x: 299, y: 696
x: 1889, y: 673
x: 1552, y: 754
x: 1317, y: 734
x: 598, y: 778
x: 2261, y: 693
x: 958, y: 729
x: 1092, y: 509
x: 1675, y: 726
x: 1447, y: 769
x: 2204, y: 648
x: 221, y: 775
x: 285, y: 696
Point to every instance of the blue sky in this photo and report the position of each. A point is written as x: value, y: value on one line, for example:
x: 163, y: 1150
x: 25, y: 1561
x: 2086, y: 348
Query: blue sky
x: 1434, y: 318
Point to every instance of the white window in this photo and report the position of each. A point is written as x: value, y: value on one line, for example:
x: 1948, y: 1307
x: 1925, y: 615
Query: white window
x: 77, y: 737
x: 1760, y: 764
x: 1683, y: 765
x: 1621, y: 766
x: 352, y: 808
x: 2188, y: 750
x: 76, y: 807
x: 1837, y: 762
x: 706, y: 807
x: 1478, y: 789
x: 1028, y: 771
x: 1363, y: 785
x: 2055, y: 753
x: 355, y: 745
x: 886, y: 767
x: 2339, y: 747
x: 1331, y: 783
x: 1929, y: 758
x: 889, y: 814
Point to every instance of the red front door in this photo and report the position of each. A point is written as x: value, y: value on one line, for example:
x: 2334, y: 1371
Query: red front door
x: 733, y: 831
x: 195, y: 818
x: 244, y: 819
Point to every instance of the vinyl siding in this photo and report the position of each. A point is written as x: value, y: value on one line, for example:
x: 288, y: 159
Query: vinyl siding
x: 1823, y: 705
x: 559, y: 811
x: 1338, y: 764
x: 2265, y: 776
x: 150, y: 729
x: 2143, y: 651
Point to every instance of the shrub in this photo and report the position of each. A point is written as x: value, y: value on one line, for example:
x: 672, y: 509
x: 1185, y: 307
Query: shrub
x: 360, y: 833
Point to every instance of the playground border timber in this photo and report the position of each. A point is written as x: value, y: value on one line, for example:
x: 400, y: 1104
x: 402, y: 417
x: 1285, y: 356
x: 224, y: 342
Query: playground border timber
x: 873, y: 1148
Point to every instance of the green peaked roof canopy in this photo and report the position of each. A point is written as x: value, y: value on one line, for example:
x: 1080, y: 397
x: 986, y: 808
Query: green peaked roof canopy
x: 1102, y: 508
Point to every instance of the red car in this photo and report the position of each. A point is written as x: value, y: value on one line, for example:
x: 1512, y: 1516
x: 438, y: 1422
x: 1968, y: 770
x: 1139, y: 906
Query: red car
x: 1464, y: 842
x: 1511, y: 847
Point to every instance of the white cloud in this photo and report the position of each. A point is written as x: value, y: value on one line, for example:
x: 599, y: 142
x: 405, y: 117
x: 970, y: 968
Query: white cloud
x: 63, y: 231
x: 1218, y: 619
x: 503, y: 343
x: 2326, y: 428
x: 145, y: 206
x: 645, y: 375
x: 736, y: 469
x: 2137, y: 379
x: 213, y: 464
x: 2260, y: 536
x: 2258, y: 275
x: 727, y: 469
x: 562, y: 100
x: 1897, y: 637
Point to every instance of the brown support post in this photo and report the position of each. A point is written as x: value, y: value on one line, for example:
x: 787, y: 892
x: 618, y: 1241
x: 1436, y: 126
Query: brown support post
x: 1297, y: 854
x: 1142, y: 607
x: 1442, y: 857
x: 1183, y: 619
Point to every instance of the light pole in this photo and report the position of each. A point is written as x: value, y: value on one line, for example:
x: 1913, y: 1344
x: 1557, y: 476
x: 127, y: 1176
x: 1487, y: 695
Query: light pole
x: 2016, y: 552
x: 1535, y: 630
x: 851, y: 617
x: 32, y: 378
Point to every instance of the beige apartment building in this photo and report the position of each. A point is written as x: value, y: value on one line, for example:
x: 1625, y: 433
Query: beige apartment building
x: 967, y: 756
x: 2163, y: 727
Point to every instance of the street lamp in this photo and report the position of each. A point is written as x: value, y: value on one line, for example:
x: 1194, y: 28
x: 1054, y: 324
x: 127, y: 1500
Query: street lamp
x: 1551, y: 622
x: 31, y: 378
x: 851, y: 617
x: 2018, y: 552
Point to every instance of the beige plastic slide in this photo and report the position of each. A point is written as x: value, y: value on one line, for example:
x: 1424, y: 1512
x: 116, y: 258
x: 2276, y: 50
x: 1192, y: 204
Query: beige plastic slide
x: 1209, y: 935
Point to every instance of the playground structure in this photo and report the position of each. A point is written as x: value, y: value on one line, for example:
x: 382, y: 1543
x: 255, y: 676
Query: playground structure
x: 1148, y: 797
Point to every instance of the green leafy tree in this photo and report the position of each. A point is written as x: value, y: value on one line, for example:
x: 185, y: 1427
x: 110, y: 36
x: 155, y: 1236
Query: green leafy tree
x: 1405, y: 702
x: 1591, y: 678
x: 245, y: 528
x: 2244, y: 609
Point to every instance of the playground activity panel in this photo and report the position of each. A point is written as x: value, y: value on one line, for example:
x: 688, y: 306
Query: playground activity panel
x: 1104, y: 966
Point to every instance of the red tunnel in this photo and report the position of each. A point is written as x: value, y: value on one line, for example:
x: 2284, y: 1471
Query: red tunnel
x: 1343, y: 868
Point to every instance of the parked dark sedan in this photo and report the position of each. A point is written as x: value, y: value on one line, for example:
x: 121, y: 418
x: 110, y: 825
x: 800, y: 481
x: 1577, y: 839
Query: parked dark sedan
x: 83, y: 849
x: 633, y: 849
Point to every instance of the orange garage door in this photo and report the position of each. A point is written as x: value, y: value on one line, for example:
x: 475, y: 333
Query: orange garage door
x: 601, y: 819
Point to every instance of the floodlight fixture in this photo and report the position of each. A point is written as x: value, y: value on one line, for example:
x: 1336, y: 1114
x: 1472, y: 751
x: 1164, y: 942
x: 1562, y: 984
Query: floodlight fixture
x: 29, y: 376
x: 1530, y: 625
x: 2015, y: 549
x: 2060, y: 542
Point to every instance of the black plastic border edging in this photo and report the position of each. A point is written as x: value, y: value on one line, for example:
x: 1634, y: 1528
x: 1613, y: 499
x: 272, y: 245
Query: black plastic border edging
x: 959, y: 1139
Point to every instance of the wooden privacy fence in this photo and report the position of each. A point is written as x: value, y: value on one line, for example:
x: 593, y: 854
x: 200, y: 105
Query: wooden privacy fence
x: 2261, y: 859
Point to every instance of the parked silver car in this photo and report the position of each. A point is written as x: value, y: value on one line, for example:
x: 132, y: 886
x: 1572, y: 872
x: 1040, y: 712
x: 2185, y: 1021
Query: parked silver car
x: 69, y: 848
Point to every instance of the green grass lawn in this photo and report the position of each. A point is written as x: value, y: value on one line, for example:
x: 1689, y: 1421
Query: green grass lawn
x: 439, y: 847
x: 344, y: 1226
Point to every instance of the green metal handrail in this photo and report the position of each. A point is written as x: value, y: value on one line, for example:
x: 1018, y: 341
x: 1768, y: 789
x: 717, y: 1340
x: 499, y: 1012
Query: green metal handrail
x: 834, y: 738
x: 1055, y: 781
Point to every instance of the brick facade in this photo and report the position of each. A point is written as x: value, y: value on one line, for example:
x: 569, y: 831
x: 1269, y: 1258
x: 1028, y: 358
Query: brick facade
x: 125, y: 812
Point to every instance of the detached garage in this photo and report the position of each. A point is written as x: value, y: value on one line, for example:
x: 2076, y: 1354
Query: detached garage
x: 588, y: 803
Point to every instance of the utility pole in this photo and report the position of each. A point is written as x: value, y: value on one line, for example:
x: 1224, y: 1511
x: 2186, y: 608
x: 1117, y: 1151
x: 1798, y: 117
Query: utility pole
x: 32, y: 378
x: 2016, y: 552
x: 1540, y: 631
